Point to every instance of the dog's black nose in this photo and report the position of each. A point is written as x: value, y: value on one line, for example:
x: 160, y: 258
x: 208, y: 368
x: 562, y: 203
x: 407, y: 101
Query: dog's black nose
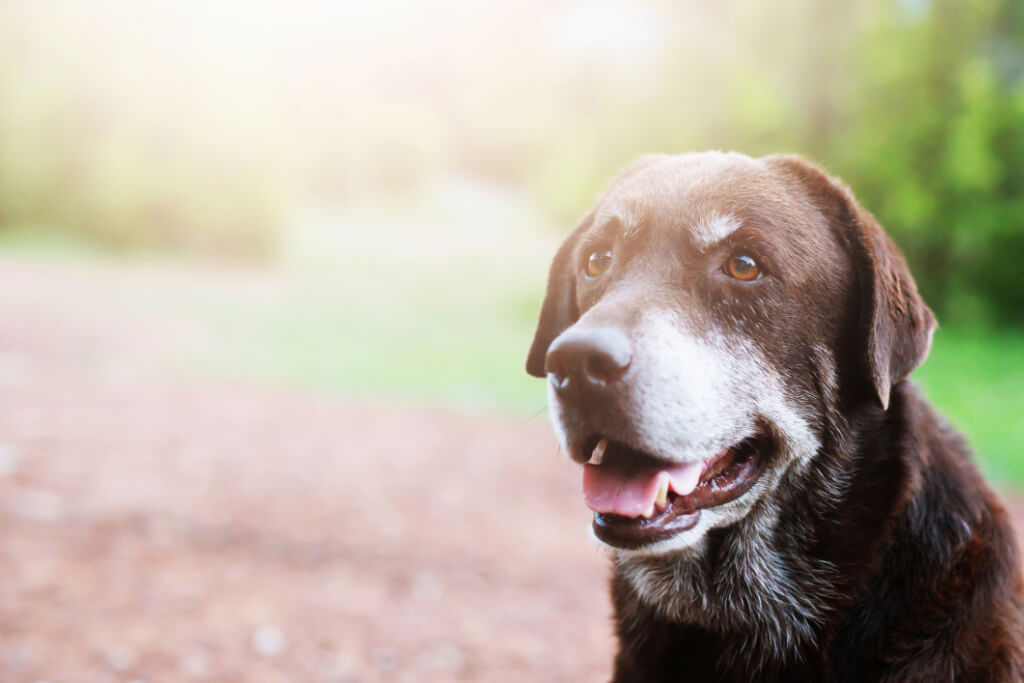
x: 581, y: 357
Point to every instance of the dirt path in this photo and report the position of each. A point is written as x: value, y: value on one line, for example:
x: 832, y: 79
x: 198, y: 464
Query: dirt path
x: 177, y: 532
x: 165, y: 530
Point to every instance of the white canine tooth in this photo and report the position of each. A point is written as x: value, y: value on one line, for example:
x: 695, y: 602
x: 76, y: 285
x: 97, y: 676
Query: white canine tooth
x: 598, y: 454
x: 649, y: 513
x: 662, y: 492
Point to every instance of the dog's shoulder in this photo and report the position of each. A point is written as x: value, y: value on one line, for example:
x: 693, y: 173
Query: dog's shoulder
x: 945, y: 599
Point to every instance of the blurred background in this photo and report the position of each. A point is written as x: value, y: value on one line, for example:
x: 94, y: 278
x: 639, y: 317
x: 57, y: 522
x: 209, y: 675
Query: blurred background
x: 269, y: 271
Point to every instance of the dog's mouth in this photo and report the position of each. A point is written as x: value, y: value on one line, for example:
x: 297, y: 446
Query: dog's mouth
x: 639, y: 499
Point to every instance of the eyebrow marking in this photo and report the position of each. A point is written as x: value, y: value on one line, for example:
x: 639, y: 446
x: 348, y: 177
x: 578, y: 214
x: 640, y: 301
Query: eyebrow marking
x: 628, y: 214
x: 714, y: 228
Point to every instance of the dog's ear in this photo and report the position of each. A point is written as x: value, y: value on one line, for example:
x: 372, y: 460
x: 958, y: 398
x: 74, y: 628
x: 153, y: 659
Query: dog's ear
x: 895, y: 323
x: 559, y: 309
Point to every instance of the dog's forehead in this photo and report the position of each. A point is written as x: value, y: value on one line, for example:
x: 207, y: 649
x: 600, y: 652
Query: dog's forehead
x: 709, y: 195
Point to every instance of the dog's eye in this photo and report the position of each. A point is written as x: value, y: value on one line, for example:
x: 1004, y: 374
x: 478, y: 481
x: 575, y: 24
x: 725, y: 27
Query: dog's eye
x: 598, y: 263
x: 743, y: 267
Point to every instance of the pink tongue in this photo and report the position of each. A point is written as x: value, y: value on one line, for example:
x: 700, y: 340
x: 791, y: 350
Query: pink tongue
x: 610, y: 490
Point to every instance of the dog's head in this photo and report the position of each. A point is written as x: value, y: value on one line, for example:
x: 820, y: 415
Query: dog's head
x: 702, y: 323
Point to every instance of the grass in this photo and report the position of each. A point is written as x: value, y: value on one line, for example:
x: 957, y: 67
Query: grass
x: 976, y: 378
x: 466, y: 351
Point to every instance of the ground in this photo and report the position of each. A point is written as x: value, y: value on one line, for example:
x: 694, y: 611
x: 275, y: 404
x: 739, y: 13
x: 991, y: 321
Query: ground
x: 166, y: 527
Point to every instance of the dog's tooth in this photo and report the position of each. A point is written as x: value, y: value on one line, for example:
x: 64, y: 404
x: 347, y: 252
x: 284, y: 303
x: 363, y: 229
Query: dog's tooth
x: 598, y: 454
x: 649, y: 513
x: 662, y: 499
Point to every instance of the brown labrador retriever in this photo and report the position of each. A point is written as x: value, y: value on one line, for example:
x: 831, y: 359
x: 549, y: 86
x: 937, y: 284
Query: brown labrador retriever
x: 726, y: 342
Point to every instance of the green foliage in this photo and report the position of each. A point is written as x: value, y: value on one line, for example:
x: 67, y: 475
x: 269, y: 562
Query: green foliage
x: 934, y: 148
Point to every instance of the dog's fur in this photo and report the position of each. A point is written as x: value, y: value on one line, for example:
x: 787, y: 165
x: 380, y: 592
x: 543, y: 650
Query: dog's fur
x: 869, y: 549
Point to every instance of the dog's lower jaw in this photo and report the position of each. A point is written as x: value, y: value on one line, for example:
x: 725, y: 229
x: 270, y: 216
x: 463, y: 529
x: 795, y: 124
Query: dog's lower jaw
x: 688, y: 542
x: 691, y: 542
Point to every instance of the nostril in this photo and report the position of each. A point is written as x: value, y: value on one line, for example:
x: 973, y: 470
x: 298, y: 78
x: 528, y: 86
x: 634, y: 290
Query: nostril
x: 605, y: 368
x: 559, y: 382
x: 558, y: 373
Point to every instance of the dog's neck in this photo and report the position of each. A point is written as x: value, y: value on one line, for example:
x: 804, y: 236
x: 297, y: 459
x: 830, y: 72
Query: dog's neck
x: 755, y: 579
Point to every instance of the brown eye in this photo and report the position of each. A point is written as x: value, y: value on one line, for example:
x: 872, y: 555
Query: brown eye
x: 743, y: 267
x: 598, y: 263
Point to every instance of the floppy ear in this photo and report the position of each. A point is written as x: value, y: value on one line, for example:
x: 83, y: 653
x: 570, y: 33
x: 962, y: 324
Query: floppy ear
x: 896, y: 324
x: 559, y: 309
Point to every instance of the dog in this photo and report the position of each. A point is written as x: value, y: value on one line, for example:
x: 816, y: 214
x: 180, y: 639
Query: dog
x: 727, y: 342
